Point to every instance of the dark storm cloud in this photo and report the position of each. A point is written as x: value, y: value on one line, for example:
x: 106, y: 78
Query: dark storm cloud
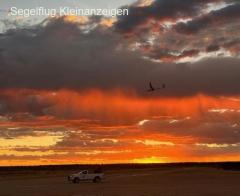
x: 13, y: 132
x: 212, y: 48
x: 162, y: 21
x: 215, y: 126
x: 60, y: 54
x: 23, y: 105
x: 77, y: 142
x: 166, y: 55
x: 204, y: 131
x: 220, y: 17
x: 160, y: 10
x: 92, y: 139
x: 206, y: 150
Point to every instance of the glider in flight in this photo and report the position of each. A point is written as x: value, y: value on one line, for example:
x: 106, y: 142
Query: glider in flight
x: 151, y: 88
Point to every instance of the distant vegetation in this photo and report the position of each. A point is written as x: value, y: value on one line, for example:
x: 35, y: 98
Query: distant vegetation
x: 219, y: 165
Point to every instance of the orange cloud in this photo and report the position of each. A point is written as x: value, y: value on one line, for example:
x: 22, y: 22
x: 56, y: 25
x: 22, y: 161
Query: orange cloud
x: 110, y: 126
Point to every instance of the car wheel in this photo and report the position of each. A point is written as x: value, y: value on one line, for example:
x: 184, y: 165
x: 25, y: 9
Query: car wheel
x: 76, y: 180
x: 97, y: 179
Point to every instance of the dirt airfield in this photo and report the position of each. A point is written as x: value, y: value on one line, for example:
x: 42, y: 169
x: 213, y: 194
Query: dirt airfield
x: 194, y: 181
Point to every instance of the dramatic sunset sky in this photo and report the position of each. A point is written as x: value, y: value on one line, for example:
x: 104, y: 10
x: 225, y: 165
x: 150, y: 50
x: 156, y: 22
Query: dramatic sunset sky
x: 74, y: 89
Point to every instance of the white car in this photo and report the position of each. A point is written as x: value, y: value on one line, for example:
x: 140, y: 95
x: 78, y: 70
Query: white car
x: 84, y: 176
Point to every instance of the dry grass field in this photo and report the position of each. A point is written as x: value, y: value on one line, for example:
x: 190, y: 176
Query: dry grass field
x: 142, y: 181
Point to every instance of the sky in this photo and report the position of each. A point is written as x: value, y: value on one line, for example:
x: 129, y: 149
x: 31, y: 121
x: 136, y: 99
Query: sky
x: 74, y: 89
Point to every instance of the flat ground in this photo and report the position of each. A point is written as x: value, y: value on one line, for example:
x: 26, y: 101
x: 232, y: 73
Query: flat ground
x: 128, y: 182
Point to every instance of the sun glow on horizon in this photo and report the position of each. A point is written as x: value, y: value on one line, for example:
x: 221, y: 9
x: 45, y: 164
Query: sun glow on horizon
x: 150, y: 160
